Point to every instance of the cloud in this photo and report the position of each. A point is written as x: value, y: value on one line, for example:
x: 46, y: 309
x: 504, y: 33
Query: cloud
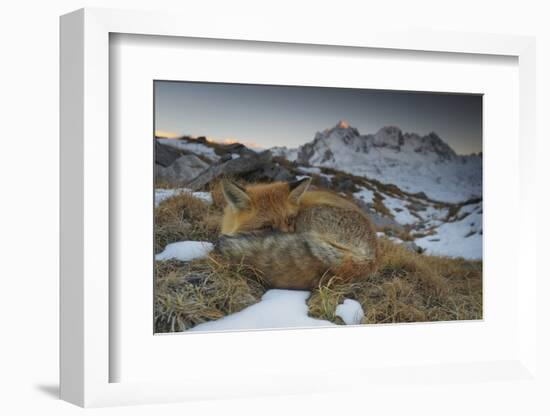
x: 231, y: 141
x: 166, y: 134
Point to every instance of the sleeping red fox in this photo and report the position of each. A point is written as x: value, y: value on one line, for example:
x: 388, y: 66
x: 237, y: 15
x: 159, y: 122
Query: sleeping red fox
x: 293, y: 236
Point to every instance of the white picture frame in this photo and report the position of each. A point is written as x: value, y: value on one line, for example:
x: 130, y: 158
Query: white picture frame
x: 86, y: 333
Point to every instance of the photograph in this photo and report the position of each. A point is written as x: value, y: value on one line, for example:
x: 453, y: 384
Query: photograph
x: 282, y: 206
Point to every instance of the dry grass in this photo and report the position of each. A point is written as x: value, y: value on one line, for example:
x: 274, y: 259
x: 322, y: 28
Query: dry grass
x: 407, y: 287
x: 163, y: 185
x: 184, y: 217
x: 379, y: 206
x: 187, y: 294
x: 403, y: 233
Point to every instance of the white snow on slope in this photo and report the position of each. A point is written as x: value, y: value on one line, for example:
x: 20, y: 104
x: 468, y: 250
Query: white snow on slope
x: 185, y: 250
x: 277, y: 309
x: 399, y: 207
x: 460, y: 238
x: 313, y: 170
x: 412, y: 162
x: 163, y: 194
x: 283, y: 151
x: 365, y: 195
x: 450, y: 182
x: 350, y: 311
x: 399, y: 210
x: 197, y: 147
x: 432, y: 213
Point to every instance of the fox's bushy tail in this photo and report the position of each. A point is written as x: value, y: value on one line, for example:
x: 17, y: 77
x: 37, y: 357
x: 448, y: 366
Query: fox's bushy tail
x: 294, y: 260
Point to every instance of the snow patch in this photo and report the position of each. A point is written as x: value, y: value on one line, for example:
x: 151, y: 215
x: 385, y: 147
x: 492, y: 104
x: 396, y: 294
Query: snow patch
x: 278, y: 308
x: 462, y: 238
x: 311, y: 169
x: 185, y: 250
x: 282, y: 151
x: 433, y: 214
x: 197, y: 148
x: 205, y: 197
x: 163, y: 194
x: 314, y: 170
x: 365, y: 195
x: 350, y: 311
x: 327, y: 176
x: 398, y: 208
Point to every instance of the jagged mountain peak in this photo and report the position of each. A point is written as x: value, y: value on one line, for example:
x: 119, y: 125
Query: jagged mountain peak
x: 342, y: 124
x: 340, y: 130
x: 432, y: 143
x: 390, y: 130
x: 389, y: 136
x: 414, y: 162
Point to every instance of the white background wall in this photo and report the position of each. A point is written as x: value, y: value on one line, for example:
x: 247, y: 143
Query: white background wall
x: 29, y: 183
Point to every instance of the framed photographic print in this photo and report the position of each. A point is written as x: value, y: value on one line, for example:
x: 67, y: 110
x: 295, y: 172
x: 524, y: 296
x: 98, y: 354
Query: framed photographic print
x: 279, y: 213
x: 337, y: 228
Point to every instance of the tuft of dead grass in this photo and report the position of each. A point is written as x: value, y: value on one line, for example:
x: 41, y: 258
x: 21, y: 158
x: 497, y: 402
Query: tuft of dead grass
x: 184, y: 217
x: 187, y: 294
x: 408, y: 287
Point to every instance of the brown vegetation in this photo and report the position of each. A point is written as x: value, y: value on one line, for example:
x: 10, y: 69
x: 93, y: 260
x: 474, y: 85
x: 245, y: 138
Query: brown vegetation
x: 187, y: 294
x: 407, y: 287
x: 184, y: 217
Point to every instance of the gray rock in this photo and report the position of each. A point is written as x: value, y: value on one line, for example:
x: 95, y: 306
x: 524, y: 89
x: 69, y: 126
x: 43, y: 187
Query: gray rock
x: 182, y: 170
x: 234, y: 167
x: 165, y: 155
x: 417, y: 206
x: 323, y: 182
x: 345, y: 185
x: 411, y: 246
x: 235, y: 148
x: 226, y: 157
x: 270, y: 172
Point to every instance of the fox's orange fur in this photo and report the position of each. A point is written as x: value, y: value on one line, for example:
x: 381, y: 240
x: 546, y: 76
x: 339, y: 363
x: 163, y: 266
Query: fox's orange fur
x: 295, y: 236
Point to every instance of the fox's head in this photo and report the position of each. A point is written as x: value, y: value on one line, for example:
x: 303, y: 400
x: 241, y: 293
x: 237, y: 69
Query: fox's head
x: 261, y: 207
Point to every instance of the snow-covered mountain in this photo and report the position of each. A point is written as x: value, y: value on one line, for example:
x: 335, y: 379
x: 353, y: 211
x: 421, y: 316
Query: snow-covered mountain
x: 412, y: 162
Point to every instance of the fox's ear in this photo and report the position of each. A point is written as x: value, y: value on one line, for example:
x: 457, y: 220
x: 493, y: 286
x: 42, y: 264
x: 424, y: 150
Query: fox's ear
x: 297, y: 189
x: 235, y: 195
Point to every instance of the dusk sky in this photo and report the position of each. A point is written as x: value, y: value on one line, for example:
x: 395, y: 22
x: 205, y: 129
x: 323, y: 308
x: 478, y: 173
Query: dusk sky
x: 290, y: 116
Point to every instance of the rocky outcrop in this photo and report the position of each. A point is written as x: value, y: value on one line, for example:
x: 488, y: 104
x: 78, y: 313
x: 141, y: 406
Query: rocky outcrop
x: 165, y: 155
x: 181, y: 170
x: 239, y: 166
